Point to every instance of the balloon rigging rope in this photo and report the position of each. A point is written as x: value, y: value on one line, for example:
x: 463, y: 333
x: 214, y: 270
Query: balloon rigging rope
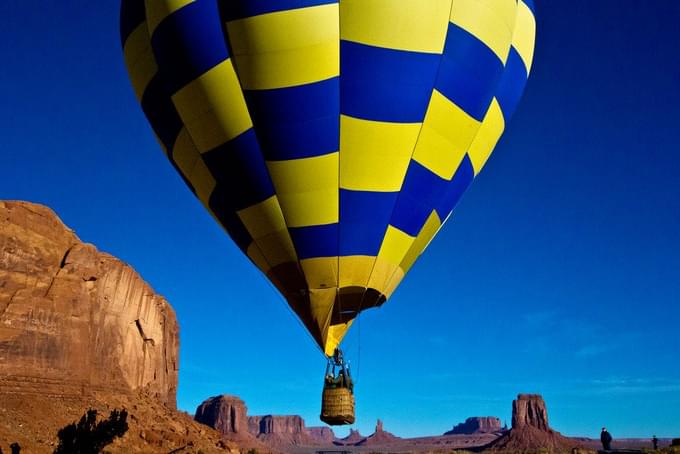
x: 358, y: 348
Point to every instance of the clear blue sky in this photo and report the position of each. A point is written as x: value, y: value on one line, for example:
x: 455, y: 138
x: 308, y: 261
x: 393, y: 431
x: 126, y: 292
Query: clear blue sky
x: 558, y: 274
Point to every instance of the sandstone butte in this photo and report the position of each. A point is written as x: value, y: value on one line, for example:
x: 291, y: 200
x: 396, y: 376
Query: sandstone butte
x: 229, y: 415
x: 530, y: 428
x: 477, y: 425
x: 80, y: 329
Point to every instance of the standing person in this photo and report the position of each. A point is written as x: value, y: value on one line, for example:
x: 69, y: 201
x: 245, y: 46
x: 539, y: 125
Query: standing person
x: 655, y: 442
x: 606, y: 439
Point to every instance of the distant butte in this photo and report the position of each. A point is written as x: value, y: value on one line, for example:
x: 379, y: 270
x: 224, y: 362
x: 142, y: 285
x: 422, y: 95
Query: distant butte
x: 477, y: 425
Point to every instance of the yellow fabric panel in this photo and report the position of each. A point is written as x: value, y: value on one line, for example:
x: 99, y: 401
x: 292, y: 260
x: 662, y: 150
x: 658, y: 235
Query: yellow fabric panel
x: 355, y: 270
x: 307, y: 189
x: 374, y: 155
x: 394, y: 282
x: 412, y: 25
x: 213, y: 107
x: 140, y: 60
x: 487, y: 24
x: 321, y: 303
x: 432, y: 225
x: 266, y: 226
x: 447, y: 133
x: 184, y: 153
x: 505, y: 9
x: 395, y: 245
x: 320, y: 272
x: 189, y: 161
x: 157, y: 10
x: 255, y: 254
x: 382, y: 271
x: 525, y: 34
x: 286, y: 48
x: 203, y: 181
x: 263, y: 218
x: 487, y: 137
x: 335, y: 335
x: 277, y: 247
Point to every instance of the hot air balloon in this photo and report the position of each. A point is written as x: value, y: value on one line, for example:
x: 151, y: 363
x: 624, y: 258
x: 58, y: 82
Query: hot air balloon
x: 330, y: 139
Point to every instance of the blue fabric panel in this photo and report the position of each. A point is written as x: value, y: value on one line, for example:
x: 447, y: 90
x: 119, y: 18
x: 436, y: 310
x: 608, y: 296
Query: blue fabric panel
x: 364, y: 217
x: 161, y: 112
x: 385, y: 84
x: 219, y: 203
x: 511, y: 85
x: 455, y: 188
x: 315, y: 241
x: 238, y: 9
x: 297, y: 122
x: 418, y: 197
x: 240, y: 170
x: 188, y: 43
x: 132, y: 14
x: 469, y: 72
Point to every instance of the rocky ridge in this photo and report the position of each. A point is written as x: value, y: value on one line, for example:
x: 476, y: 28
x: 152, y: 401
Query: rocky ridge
x: 322, y: 435
x: 477, y: 425
x: 280, y: 430
x: 229, y: 416
x: 379, y: 437
x: 352, y: 438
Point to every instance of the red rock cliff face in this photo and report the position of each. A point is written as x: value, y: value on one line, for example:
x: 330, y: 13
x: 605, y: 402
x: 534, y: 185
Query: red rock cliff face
x: 75, y: 321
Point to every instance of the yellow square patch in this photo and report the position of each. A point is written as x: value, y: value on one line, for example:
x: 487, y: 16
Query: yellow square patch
x: 307, y: 189
x: 374, y: 155
x: 213, y: 108
x: 447, y: 133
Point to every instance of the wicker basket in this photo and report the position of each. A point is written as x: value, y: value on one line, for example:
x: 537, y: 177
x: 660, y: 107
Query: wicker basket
x: 337, y: 406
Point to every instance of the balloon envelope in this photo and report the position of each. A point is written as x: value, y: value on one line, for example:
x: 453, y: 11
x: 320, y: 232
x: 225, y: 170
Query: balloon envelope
x: 330, y: 139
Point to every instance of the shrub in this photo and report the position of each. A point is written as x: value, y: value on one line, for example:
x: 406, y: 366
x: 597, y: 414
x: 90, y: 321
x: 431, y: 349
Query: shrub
x: 89, y: 436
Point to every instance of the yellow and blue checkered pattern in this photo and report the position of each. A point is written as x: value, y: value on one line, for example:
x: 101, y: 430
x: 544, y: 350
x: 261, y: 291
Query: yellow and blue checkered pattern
x: 330, y: 138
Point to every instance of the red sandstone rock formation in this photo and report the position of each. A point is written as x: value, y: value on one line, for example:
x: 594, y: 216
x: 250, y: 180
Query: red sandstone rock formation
x: 75, y: 321
x: 379, y: 437
x: 270, y: 424
x: 280, y: 430
x: 476, y: 425
x: 353, y: 438
x: 80, y: 329
x: 226, y: 414
x: 529, y: 410
x: 322, y: 435
x: 530, y: 429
